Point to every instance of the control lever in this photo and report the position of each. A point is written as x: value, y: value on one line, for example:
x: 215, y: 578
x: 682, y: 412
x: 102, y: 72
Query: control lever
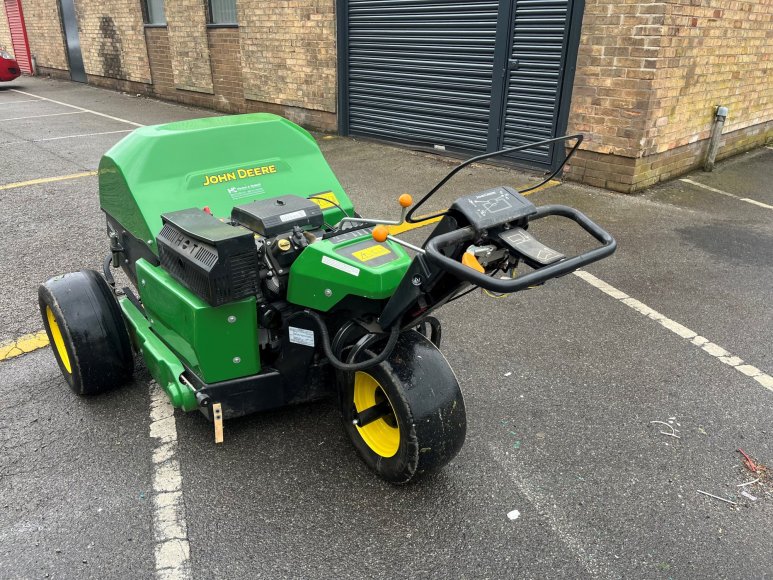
x: 405, y: 201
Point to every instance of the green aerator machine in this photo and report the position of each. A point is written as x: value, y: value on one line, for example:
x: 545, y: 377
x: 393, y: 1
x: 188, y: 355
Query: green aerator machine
x: 255, y: 284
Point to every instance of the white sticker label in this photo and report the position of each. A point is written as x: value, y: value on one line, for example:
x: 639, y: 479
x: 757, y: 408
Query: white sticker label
x: 340, y: 266
x: 301, y: 336
x: 288, y: 217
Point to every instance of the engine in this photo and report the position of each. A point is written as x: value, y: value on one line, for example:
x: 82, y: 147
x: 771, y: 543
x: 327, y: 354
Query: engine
x: 249, y: 255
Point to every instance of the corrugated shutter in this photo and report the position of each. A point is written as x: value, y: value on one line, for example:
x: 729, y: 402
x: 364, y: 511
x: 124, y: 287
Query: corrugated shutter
x: 536, y: 68
x: 21, y: 49
x: 421, y: 70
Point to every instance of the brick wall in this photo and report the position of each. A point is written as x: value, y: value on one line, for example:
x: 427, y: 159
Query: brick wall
x: 113, y: 40
x: 712, y: 53
x: 187, y: 29
x: 288, y: 50
x: 649, y: 75
x: 5, y: 31
x: 44, y: 33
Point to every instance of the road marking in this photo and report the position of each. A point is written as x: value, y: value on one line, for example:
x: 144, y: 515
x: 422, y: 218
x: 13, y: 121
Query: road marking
x: 39, y: 116
x: 66, y: 137
x: 693, y: 337
x: 80, y: 108
x: 719, y: 191
x: 407, y: 227
x: 19, y: 101
x: 170, y: 530
x: 23, y: 345
x: 47, y: 180
x: 548, y: 185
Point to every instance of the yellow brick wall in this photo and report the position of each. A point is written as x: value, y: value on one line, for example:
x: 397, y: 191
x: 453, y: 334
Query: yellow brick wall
x: 288, y: 51
x: 113, y: 39
x: 44, y: 33
x: 714, y: 52
x: 5, y: 31
x: 187, y: 26
x: 616, y: 65
x: 649, y: 74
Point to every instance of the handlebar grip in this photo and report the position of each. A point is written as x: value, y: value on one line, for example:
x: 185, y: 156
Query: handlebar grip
x: 434, y: 255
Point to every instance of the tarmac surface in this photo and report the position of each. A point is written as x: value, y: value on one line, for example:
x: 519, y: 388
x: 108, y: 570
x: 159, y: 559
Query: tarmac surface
x: 561, y: 386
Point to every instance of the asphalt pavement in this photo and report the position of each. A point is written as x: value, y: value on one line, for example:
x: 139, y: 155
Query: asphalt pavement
x: 562, y: 384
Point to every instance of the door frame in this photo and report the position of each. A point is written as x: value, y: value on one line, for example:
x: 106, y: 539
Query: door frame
x: 60, y: 5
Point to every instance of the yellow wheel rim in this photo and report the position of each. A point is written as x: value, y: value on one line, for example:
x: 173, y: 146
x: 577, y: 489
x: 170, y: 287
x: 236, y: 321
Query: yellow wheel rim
x: 56, y: 333
x: 382, y: 435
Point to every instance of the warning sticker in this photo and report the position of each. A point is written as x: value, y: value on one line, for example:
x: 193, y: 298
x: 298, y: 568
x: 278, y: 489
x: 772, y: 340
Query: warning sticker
x: 301, y: 336
x: 333, y: 263
x: 375, y: 251
x: 325, y: 200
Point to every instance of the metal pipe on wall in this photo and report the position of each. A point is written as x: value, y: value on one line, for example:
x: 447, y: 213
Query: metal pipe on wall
x: 716, y: 133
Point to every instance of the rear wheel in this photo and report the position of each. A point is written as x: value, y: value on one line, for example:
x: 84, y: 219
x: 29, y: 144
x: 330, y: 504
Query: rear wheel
x: 86, y: 331
x: 405, y: 416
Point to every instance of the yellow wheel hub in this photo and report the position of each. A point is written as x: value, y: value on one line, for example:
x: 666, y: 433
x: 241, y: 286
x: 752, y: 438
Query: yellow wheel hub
x: 382, y: 435
x: 56, y: 333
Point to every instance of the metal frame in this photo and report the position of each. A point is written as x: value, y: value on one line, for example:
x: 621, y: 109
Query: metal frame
x: 504, y: 39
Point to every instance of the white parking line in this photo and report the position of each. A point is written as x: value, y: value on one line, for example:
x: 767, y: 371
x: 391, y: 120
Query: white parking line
x: 19, y: 101
x: 39, y: 116
x: 170, y: 530
x: 81, y: 108
x: 719, y: 191
x: 66, y: 137
x: 693, y: 337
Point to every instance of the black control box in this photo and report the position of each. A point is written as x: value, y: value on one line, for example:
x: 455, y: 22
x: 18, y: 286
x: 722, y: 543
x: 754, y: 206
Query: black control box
x: 278, y: 215
x: 216, y: 261
x: 494, y: 207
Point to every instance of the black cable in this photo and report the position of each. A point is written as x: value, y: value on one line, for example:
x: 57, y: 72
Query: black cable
x: 455, y: 170
x: 394, y: 333
x: 330, y: 202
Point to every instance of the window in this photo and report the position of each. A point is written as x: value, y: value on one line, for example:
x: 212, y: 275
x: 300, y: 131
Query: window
x: 222, y: 11
x: 154, y: 12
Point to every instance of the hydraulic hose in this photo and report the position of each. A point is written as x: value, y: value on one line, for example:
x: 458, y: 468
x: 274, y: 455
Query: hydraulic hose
x: 394, y: 333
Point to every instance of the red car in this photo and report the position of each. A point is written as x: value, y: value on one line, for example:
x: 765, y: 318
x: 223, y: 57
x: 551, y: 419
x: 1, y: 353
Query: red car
x: 9, y: 68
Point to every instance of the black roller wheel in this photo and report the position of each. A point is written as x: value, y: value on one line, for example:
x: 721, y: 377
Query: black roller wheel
x: 86, y: 331
x: 406, y: 415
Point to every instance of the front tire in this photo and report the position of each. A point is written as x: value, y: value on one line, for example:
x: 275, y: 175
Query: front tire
x: 86, y: 331
x: 422, y: 421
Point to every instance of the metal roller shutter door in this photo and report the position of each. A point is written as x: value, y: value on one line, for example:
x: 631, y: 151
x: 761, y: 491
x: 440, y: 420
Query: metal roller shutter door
x: 21, y: 49
x: 537, y: 60
x: 420, y: 71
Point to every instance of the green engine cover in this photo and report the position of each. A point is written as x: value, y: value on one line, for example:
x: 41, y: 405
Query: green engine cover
x: 217, y: 162
x: 217, y: 342
x: 351, y: 264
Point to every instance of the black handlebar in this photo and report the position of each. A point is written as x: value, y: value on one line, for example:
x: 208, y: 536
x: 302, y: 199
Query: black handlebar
x: 434, y: 255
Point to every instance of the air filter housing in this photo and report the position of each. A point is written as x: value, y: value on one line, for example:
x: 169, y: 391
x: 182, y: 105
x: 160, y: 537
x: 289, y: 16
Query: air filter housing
x: 216, y: 261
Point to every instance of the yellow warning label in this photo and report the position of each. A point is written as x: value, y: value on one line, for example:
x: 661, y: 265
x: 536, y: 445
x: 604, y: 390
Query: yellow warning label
x: 370, y: 253
x: 323, y: 200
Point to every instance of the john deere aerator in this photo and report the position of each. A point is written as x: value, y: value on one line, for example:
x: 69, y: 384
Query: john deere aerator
x: 258, y: 286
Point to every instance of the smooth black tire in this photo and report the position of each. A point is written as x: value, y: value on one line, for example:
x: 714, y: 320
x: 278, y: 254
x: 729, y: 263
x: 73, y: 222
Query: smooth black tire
x: 425, y: 423
x: 87, y: 332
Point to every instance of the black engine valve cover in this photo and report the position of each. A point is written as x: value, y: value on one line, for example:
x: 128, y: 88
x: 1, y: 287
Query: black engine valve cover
x: 271, y: 217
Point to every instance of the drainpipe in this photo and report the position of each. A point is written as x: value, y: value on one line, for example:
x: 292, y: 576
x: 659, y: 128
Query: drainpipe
x: 34, y: 66
x: 716, y: 134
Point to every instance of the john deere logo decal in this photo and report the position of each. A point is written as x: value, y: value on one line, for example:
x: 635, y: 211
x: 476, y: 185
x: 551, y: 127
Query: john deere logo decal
x: 239, y: 174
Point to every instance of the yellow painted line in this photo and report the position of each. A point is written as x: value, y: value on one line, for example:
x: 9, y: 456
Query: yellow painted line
x: 406, y: 227
x: 548, y: 185
x: 23, y: 345
x: 47, y: 180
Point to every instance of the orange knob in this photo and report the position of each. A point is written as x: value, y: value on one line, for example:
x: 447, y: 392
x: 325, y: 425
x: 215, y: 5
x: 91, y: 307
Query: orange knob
x: 405, y: 200
x: 380, y: 233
